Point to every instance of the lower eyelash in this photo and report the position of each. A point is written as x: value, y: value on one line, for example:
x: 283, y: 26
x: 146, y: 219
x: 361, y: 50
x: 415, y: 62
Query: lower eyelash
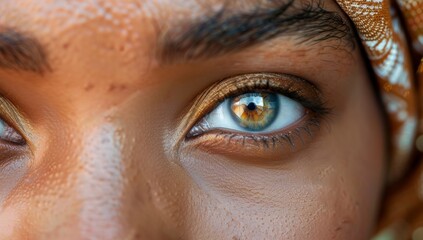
x: 270, y: 141
x: 287, y: 138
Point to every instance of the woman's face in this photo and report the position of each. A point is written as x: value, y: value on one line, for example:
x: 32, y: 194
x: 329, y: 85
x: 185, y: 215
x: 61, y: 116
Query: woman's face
x: 179, y: 119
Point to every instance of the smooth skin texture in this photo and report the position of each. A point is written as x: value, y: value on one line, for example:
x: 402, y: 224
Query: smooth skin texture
x: 106, y: 155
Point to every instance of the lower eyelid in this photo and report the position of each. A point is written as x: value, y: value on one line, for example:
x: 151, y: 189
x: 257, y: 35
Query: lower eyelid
x: 260, y: 147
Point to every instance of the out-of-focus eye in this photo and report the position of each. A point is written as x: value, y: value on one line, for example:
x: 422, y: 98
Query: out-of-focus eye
x: 9, y: 134
x: 253, y: 112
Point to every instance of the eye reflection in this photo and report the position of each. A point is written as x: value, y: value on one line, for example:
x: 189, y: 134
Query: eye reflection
x: 255, y: 111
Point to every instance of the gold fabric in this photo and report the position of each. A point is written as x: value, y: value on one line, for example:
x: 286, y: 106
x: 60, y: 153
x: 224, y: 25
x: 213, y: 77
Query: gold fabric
x: 392, y: 35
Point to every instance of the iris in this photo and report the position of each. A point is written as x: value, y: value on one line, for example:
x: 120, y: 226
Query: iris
x: 254, y: 111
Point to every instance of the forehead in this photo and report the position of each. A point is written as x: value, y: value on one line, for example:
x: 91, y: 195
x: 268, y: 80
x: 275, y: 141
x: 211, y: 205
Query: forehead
x: 128, y: 30
x: 47, y: 14
x: 72, y: 13
x: 133, y: 25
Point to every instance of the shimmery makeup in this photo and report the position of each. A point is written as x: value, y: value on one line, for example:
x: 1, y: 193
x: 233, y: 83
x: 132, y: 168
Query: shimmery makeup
x: 12, y: 115
x: 291, y: 86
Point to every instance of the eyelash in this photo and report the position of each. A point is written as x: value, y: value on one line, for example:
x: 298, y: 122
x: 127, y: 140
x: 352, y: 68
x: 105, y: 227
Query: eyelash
x: 316, y: 112
x: 288, y: 137
x: 317, y: 107
x: 14, y: 137
x: 13, y: 123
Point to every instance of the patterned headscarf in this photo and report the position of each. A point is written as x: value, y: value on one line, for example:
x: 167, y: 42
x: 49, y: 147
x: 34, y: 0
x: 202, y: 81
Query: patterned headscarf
x: 392, y: 35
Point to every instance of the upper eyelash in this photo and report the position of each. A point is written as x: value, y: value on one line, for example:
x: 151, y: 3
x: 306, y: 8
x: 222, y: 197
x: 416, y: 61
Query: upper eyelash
x: 318, y: 107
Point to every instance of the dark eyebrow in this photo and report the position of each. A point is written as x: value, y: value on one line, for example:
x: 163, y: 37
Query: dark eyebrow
x: 225, y: 32
x: 21, y: 52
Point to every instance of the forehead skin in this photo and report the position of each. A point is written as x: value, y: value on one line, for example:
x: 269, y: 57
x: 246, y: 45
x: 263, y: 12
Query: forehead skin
x: 94, y: 35
x: 103, y: 123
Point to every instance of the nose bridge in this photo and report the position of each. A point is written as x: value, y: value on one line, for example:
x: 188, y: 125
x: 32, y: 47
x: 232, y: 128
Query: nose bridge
x: 101, y: 183
x: 125, y: 187
x: 115, y: 187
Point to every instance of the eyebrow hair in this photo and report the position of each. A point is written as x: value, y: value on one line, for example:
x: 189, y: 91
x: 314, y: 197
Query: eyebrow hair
x: 21, y: 52
x: 224, y: 33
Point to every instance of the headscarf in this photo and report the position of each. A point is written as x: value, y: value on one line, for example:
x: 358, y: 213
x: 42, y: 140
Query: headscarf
x: 391, y: 33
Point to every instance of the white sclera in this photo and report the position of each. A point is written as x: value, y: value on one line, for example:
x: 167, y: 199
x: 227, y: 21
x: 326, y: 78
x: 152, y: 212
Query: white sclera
x: 289, y: 112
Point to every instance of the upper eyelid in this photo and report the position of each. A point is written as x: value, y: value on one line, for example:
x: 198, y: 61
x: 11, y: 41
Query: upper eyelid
x: 219, y: 91
x: 12, y: 116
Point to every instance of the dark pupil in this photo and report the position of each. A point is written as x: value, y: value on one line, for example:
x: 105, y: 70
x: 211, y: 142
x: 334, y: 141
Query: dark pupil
x: 251, y: 106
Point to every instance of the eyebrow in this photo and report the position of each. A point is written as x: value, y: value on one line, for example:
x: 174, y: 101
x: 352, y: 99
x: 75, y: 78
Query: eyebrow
x: 223, y: 32
x: 21, y: 52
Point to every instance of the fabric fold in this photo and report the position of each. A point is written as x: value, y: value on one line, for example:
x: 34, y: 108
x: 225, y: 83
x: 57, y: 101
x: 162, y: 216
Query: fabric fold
x: 385, y: 29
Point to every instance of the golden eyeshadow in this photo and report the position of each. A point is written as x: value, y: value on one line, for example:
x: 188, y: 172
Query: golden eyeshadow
x: 231, y: 87
x: 12, y: 115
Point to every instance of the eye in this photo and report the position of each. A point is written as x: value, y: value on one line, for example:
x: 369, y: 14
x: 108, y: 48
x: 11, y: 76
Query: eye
x: 257, y: 111
x: 252, y: 112
x: 9, y: 134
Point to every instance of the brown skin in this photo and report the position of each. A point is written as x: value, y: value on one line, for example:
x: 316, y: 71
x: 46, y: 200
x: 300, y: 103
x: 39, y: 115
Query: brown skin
x: 103, y: 159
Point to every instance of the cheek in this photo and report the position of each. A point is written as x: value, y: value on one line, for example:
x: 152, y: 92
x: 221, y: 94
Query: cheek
x: 355, y: 152
x: 324, y: 197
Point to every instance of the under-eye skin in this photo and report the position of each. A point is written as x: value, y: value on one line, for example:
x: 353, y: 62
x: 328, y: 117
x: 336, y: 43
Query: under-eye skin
x: 258, y: 112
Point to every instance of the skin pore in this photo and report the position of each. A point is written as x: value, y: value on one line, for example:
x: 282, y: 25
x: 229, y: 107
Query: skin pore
x: 105, y: 93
